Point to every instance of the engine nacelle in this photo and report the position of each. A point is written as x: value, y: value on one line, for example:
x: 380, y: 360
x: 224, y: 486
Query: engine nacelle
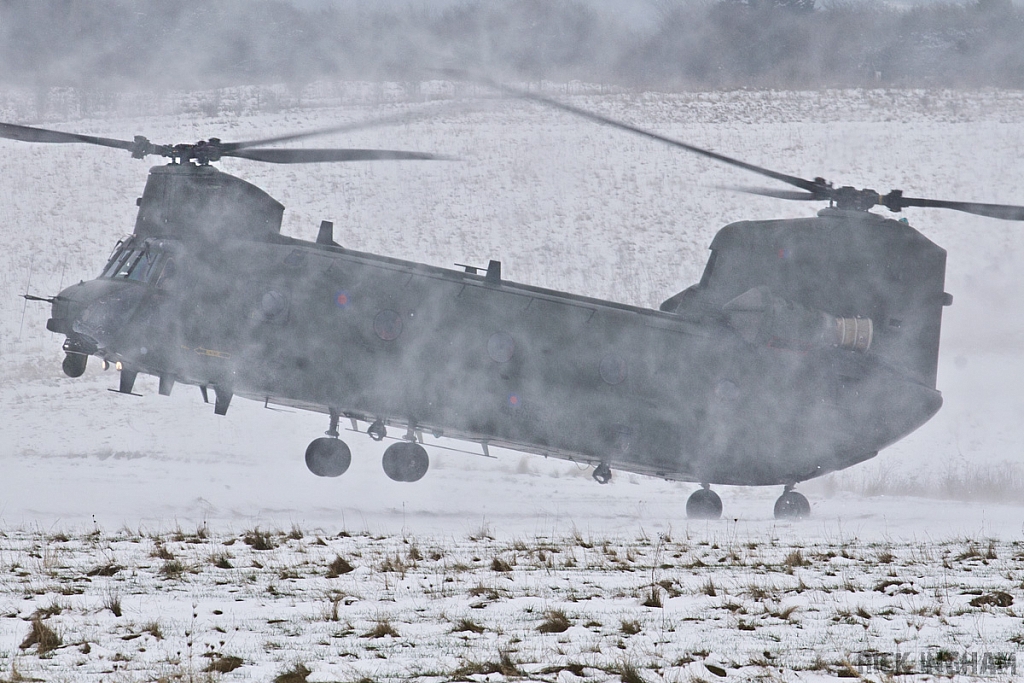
x: 761, y: 317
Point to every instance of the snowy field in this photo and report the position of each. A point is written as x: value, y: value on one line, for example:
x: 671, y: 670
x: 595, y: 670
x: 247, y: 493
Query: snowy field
x: 466, y: 565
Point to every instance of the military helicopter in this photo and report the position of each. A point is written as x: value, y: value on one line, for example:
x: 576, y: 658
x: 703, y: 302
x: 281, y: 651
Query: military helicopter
x: 806, y: 347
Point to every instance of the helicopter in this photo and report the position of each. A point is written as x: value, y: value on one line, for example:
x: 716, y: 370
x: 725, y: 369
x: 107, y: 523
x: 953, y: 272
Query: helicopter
x: 807, y: 346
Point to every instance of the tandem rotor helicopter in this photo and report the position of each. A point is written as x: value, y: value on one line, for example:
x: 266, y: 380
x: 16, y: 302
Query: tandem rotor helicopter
x: 806, y: 347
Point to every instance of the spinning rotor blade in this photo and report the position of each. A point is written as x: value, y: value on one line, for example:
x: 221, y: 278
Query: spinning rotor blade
x: 343, y: 128
x: 815, y: 190
x: 1006, y: 212
x: 312, y: 156
x: 778, y: 194
x: 29, y: 134
x: 808, y: 185
x: 213, y: 149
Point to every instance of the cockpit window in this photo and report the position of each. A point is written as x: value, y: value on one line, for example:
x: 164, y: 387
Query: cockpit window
x: 138, y: 264
x: 115, y: 262
x: 128, y: 264
x: 145, y: 266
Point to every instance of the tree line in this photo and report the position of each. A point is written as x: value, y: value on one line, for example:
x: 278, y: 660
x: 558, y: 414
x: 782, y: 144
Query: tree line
x: 191, y: 44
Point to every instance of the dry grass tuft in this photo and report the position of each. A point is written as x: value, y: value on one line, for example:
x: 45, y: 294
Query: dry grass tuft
x: 172, y: 569
x: 161, y: 552
x: 297, y: 674
x: 259, y: 540
x: 555, y: 621
x: 795, y: 559
x: 381, y: 629
x: 153, y: 629
x: 221, y: 561
x: 467, y: 625
x: 629, y: 673
x: 225, y: 664
x: 41, y: 635
x: 112, y: 601
x: 108, y: 569
x: 993, y: 599
x: 338, y: 566
x: 654, y: 597
x: 505, y: 666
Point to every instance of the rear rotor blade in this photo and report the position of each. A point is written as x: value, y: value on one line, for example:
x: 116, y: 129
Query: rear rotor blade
x: 818, y: 189
x: 312, y: 156
x: 1006, y: 212
x: 13, y: 131
x: 801, y: 183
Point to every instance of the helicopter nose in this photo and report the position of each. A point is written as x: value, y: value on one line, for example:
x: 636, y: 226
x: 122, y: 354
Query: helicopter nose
x: 103, y: 318
x: 67, y: 307
x: 92, y: 313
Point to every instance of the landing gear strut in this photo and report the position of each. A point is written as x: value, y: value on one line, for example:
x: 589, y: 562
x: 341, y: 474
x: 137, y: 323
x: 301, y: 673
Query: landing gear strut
x: 704, y: 504
x: 791, y: 505
x: 405, y: 461
x: 377, y: 430
x: 602, y: 474
x: 329, y: 456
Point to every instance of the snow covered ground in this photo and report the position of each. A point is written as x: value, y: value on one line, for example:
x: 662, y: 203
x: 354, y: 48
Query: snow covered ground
x: 563, y: 204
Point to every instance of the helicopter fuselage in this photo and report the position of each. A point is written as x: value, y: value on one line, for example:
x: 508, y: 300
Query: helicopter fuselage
x: 742, y: 379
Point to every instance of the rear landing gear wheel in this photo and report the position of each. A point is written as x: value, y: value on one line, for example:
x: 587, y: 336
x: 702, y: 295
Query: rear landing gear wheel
x: 704, y: 504
x: 74, y: 364
x: 792, y: 505
x: 602, y: 474
x: 326, y: 457
x: 405, y: 461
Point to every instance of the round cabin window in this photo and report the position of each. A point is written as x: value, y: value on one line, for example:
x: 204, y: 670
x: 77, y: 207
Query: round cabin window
x: 613, y: 369
x: 500, y: 347
x: 274, y: 305
x: 387, y: 325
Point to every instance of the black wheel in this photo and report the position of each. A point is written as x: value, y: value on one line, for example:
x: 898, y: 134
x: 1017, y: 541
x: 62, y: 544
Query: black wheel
x: 74, y: 364
x: 792, y: 505
x: 327, y: 457
x: 405, y: 461
x: 704, y: 504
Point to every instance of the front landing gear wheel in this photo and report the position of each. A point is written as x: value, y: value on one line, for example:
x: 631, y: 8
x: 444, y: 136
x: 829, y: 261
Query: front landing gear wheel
x: 602, y: 474
x: 792, y: 505
x: 405, y: 461
x: 327, y: 457
x: 704, y: 504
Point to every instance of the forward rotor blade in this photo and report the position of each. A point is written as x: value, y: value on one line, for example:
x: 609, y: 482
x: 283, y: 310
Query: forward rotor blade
x: 343, y: 128
x: 801, y: 183
x: 315, y: 156
x: 1006, y: 212
x: 778, y: 194
x: 13, y: 131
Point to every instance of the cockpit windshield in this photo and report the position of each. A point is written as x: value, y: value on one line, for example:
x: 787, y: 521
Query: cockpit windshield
x: 139, y: 263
